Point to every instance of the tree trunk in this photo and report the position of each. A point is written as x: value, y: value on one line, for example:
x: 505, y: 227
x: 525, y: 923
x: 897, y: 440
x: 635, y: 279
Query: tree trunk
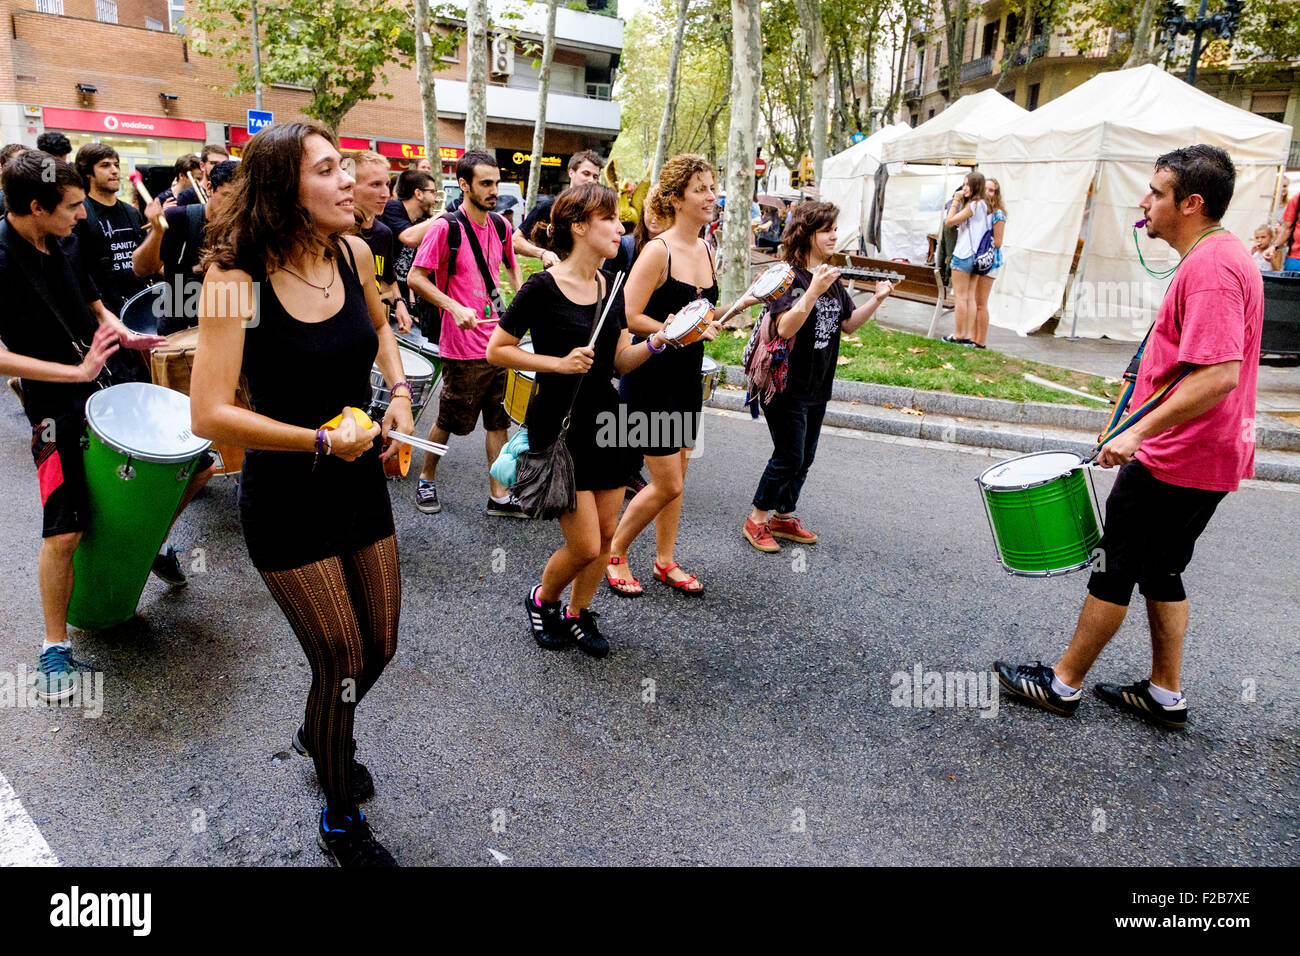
x: 747, y: 66
x: 539, y: 124
x: 476, y: 22
x: 670, y: 102
x: 1141, y: 52
x: 814, y: 32
x: 428, y: 96
x: 954, y: 28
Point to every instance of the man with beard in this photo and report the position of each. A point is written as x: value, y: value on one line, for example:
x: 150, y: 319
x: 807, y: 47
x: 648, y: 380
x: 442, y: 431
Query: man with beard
x: 456, y: 269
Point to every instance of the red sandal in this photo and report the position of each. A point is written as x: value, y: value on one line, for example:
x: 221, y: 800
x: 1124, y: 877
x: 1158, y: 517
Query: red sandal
x: 683, y: 586
x: 623, y: 586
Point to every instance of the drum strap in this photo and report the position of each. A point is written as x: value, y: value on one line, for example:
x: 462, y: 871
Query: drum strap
x: 1114, y: 427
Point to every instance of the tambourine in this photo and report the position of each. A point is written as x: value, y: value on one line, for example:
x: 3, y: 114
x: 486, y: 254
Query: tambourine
x: 773, y: 282
x: 690, y: 323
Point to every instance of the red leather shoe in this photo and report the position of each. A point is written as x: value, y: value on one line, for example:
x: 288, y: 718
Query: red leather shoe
x: 790, y: 529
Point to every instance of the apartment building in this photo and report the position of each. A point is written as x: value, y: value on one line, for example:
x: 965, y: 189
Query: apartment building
x: 123, y: 72
x: 1052, y: 63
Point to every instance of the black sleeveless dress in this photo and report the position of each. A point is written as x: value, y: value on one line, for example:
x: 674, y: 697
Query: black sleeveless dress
x: 304, y: 373
x: 669, y: 382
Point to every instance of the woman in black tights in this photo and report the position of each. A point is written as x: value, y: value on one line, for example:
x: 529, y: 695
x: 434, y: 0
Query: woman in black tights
x: 291, y: 302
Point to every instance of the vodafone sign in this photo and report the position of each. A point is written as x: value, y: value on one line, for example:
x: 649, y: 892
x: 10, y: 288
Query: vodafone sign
x: 123, y: 124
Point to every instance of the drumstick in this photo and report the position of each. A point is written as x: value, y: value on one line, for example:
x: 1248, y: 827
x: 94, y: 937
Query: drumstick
x: 138, y: 181
x: 609, y: 301
x: 198, y: 190
x: 433, y: 447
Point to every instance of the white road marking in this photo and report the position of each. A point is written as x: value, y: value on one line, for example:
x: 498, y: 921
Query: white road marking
x: 21, y: 843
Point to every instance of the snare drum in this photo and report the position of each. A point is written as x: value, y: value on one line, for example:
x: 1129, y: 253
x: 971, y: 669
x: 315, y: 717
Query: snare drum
x: 144, y: 311
x: 419, y: 373
x: 773, y: 282
x: 416, y: 342
x: 521, y: 386
x: 140, y: 456
x: 708, y: 378
x: 689, y: 324
x: 1042, y: 510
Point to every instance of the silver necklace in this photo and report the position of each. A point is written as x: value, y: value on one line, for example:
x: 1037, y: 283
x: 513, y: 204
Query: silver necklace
x: 323, y: 288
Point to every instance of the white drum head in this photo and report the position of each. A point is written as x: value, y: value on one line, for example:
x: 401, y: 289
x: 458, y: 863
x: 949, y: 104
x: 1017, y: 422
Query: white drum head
x: 1030, y: 469
x: 771, y: 279
x: 687, y: 318
x: 144, y: 421
x: 708, y: 366
x: 415, y: 339
x: 527, y: 346
x: 415, y: 365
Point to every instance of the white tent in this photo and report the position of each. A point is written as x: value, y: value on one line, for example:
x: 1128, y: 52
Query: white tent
x: 1103, y: 137
x: 848, y: 180
x: 954, y: 133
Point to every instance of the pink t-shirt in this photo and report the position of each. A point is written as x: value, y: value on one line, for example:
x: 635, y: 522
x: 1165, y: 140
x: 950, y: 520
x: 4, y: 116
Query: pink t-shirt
x: 1213, y: 312
x: 467, y: 286
x: 1289, y: 214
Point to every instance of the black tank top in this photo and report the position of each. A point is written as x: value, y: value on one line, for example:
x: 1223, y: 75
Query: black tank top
x: 304, y: 373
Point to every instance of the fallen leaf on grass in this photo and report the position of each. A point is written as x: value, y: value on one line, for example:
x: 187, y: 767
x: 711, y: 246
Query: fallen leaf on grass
x: 851, y: 339
x: 917, y: 351
x: 948, y: 366
x: 843, y: 360
x: 739, y: 334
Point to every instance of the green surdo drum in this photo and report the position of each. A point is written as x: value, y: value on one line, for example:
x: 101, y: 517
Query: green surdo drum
x: 140, y: 454
x: 1043, y: 514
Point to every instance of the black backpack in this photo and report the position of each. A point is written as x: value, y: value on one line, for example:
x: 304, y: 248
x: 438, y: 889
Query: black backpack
x: 455, y: 233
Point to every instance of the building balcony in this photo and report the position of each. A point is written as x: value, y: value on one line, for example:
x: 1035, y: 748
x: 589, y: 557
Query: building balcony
x: 1037, y: 48
x: 976, y: 68
x: 574, y: 29
x: 912, y: 94
x: 508, y: 104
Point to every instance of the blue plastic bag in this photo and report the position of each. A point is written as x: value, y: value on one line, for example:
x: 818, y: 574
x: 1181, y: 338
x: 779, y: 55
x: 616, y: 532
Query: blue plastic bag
x: 503, y: 469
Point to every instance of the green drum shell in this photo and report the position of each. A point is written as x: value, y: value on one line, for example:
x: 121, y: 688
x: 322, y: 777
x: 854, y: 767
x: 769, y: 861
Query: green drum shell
x: 129, y: 521
x: 1044, y: 529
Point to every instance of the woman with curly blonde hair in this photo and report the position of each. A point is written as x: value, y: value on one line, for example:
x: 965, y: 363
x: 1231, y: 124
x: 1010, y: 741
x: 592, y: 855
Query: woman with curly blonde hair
x: 674, y: 268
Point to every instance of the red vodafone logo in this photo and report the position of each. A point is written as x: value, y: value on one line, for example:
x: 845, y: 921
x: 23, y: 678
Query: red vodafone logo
x: 110, y: 123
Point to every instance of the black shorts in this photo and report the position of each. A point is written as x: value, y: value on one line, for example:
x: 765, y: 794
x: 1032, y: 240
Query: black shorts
x: 1150, y: 533
x: 61, y: 473
x: 471, y: 387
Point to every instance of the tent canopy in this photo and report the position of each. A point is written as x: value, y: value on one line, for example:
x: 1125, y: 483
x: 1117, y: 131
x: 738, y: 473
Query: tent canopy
x: 847, y: 181
x: 954, y: 133
x: 1103, y: 137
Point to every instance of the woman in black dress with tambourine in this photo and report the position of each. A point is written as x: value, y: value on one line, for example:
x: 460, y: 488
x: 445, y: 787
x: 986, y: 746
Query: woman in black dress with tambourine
x: 665, y: 394
x: 560, y: 308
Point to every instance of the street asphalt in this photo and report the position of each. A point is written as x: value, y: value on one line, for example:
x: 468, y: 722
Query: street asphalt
x: 754, y: 725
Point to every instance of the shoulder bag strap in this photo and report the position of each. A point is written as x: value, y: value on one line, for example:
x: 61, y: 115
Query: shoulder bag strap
x: 489, y: 283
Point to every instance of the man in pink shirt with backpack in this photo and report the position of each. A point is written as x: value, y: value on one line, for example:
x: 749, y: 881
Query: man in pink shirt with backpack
x: 1179, y: 460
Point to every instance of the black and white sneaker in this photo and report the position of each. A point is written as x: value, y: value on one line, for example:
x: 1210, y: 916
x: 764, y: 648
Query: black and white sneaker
x: 426, y: 496
x: 507, y: 509
x: 362, y: 786
x: 350, y: 842
x: 1032, y: 683
x: 1136, y: 699
x: 167, y: 566
x: 586, y: 635
x: 547, y: 622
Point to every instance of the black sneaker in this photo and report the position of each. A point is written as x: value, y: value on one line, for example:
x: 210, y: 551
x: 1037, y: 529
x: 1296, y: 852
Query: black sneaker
x: 1136, y: 699
x: 168, y: 567
x: 362, y: 786
x: 1032, y: 683
x: 509, y: 509
x: 426, y: 496
x: 586, y: 634
x: 352, y: 846
x: 547, y: 622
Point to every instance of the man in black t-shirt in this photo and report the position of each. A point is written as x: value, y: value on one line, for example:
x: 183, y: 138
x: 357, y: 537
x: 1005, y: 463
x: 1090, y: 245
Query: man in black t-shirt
x: 370, y: 194
x: 409, y: 217
x: 208, y: 158
x: 111, y: 230
x: 174, y: 251
x: 57, y: 337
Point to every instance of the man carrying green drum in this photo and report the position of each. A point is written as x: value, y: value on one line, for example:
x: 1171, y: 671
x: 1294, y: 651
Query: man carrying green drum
x: 1179, y: 460
x: 57, y: 336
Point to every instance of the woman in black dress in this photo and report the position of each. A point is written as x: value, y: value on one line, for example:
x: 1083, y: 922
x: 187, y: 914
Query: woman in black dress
x: 293, y: 305
x: 560, y: 308
x: 672, y: 270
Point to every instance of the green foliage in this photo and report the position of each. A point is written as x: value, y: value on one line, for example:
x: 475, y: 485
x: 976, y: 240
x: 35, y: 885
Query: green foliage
x: 339, y: 50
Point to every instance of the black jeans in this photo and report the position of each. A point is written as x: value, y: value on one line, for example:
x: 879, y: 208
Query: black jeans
x: 795, y: 428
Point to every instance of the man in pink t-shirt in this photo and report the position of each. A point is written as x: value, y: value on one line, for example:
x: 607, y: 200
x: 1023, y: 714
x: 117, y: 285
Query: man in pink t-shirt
x: 470, y: 304
x: 1181, y: 458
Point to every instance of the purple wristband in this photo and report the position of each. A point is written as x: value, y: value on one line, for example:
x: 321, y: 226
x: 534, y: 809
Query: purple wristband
x: 650, y: 345
x: 410, y: 392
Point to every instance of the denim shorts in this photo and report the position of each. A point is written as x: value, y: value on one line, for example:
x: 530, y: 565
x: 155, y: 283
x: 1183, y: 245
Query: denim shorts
x: 963, y: 265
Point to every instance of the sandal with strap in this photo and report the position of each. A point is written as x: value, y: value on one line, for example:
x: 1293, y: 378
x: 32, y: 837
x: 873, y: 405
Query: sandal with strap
x: 623, y: 586
x: 684, y: 586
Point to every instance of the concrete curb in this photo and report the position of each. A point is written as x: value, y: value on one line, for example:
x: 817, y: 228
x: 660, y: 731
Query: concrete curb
x: 1273, y: 434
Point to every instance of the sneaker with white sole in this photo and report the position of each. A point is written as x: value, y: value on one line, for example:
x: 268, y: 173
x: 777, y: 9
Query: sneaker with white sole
x: 56, y: 675
x: 1137, y: 700
x: 1032, y: 684
x: 426, y: 496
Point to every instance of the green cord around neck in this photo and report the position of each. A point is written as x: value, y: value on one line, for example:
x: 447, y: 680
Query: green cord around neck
x: 1174, y: 268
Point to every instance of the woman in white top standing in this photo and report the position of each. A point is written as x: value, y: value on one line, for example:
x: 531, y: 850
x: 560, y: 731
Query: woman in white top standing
x: 984, y: 283
x: 970, y: 214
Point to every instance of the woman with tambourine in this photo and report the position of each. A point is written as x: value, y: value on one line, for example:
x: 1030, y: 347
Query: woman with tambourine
x: 561, y: 308
x: 665, y: 395
x: 810, y: 316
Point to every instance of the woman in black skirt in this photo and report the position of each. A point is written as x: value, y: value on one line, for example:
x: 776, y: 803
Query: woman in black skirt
x: 672, y: 270
x: 560, y: 308
x: 293, y: 305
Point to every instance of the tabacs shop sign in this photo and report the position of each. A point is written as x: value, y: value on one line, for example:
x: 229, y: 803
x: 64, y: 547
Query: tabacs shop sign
x: 448, y: 154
